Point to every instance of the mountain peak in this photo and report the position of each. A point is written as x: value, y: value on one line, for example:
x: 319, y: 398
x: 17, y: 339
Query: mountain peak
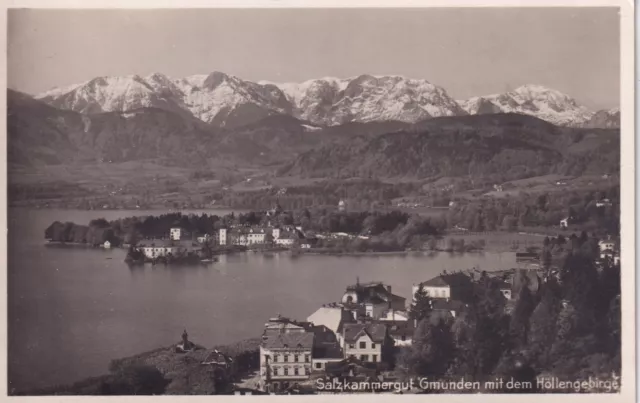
x: 218, y: 97
x: 214, y: 79
x: 535, y: 100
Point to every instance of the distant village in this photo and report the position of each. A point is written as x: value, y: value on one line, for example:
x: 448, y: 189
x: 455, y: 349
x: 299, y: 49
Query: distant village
x: 180, y: 244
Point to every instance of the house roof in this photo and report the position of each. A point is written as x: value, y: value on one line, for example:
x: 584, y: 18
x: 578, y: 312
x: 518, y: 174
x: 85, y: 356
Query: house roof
x: 281, y: 320
x: 288, y: 340
x: 217, y: 357
x: 376, y: 331
x: 374, y: 292
x: 436, y: 282
x: 449, y: 280
x: 331, y: 317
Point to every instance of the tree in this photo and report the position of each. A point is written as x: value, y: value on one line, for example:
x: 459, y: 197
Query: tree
x: 509, y: 223
x: 519, y: 324
x: 421, y: 305
x: 481, y: 333
x: 268, y: 238
x: 542, y: 327
x: 136, y: 380
x: 432, y: 348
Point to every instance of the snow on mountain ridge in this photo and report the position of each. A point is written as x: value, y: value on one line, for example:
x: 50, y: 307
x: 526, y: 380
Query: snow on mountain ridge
x: 535, y: 100
x: 218, y: 97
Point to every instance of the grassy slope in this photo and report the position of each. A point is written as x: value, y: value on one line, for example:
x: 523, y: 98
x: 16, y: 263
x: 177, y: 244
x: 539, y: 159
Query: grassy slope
x: 187, y: 376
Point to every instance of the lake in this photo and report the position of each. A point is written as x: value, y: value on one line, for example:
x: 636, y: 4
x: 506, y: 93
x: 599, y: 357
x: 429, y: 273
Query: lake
x: 73, y: 309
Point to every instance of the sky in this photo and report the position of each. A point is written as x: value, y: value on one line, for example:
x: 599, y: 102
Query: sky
x: 467, y: 51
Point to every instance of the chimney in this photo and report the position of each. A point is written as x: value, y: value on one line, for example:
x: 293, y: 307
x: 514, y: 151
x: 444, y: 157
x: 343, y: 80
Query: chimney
x: 389, y: 289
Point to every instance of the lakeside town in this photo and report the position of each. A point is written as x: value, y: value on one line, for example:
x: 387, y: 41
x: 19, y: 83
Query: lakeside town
x: 177, y: 238
x: 395, y: 201
x: 373, y: 340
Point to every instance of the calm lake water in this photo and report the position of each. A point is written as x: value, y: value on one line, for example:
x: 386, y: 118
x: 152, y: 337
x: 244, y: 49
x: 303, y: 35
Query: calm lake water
x: 72, y: 310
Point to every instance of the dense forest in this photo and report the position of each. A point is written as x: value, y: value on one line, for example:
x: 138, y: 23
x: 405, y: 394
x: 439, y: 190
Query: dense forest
x: 514, y: 146
x: 362, y: 194
x: 566, y: 326
x: 541, y: 210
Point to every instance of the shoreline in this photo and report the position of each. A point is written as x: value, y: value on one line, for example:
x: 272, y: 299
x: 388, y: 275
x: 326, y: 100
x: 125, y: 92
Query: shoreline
x: 312, y: 252
x: 404, y: 252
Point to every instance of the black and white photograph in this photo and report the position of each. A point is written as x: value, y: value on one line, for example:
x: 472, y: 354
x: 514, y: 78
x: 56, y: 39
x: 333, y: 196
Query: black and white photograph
x: 320, y: 201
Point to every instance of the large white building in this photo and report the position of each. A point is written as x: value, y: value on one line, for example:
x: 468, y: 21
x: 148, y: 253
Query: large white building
x: 258, y: 235
x: 175, y: 233
x: 156, y: 248
x: 222, y: 236
x: 608, y: 244
x: 242, y: 236
x: 445, y: 286
x: 285, y: 354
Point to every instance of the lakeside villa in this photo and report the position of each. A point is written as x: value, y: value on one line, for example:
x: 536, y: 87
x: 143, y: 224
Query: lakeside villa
x: 355, y: 337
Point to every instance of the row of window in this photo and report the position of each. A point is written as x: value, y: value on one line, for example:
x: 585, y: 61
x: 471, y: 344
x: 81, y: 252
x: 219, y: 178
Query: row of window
x: 438, y: 293
x: 285, y: 358
x: 362, y: 344
x: 296, y: 371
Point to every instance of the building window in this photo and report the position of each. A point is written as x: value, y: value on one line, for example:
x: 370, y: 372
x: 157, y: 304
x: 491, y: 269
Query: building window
x: 374, y: 358
x: 295, y: 358
x: 307, y: 358
x: 275, y: 371
x: 352, y: 346
x: 286, y: 357
x: 318, y: 365
x: 307, y: 371
x: 373, y: 345
x: 286, y: 371
x: 363, y: 344
x: 295, y: 371
x: 364, y: 357
x: 403, y: 338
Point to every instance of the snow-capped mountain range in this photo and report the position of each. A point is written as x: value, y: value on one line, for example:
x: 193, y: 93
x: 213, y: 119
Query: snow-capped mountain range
x: 544, y: 103
x: 226, y: 101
